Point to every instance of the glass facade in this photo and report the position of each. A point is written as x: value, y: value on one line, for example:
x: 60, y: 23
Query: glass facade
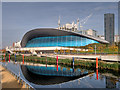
x: 52, y: 71
x: 63, y: 41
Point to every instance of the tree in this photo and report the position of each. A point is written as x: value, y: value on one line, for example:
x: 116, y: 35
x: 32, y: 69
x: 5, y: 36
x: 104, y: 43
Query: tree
x: 3, y: 51
x: 56, y: 50
x: 22, y: 51
x: 67, y: 51
x: 90, y: 49
x: 74, y: 51
x: 113, y: 48
x: 61, y: 51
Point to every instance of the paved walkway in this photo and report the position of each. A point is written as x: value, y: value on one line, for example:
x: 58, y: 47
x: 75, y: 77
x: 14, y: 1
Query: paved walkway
x: 8, y: 80
x: 113, y: 58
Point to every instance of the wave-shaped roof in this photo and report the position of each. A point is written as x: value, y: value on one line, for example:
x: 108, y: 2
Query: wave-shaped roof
x: 45, y: 32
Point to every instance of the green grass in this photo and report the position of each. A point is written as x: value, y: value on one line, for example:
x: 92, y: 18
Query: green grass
x: 66, y: 62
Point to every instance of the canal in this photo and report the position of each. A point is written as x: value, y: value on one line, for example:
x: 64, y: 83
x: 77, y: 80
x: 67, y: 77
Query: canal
x: 63, y: 77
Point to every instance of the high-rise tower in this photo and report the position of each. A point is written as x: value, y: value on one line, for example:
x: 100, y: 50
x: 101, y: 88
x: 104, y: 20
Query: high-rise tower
x: 109, y: 27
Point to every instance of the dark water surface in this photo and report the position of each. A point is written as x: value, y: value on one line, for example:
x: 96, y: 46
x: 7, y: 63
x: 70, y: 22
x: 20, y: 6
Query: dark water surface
x: 84, y: 80
x: 49, y: 75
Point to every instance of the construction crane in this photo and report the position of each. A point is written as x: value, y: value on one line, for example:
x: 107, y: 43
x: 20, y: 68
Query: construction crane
x: 83, y: 21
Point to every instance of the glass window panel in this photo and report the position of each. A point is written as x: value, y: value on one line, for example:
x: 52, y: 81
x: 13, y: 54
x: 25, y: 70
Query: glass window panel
x: 59, y: 41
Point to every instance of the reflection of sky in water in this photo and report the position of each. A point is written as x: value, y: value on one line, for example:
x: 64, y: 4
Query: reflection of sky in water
x: 89, y: 81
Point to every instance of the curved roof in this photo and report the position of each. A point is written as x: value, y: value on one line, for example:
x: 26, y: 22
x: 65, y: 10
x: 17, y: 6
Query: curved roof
x: 44, y: 32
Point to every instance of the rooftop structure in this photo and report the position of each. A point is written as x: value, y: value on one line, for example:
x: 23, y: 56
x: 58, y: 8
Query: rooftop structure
x: 69, y: 26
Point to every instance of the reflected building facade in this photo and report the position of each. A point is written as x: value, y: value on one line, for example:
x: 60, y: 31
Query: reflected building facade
x: 110, y: 82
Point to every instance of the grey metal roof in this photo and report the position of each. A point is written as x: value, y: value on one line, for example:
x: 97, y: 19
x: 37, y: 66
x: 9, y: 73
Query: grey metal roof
x: 44, y: 32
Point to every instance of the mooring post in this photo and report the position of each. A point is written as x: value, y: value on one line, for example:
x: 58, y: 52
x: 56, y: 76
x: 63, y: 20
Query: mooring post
x: 46, y: 61
x: 73, y: 64
x: 9, y: 57
x: 97, y: 68
x: 96, y: 62
x: 23, y: 58
x: 15, y: 57
x: 57, y: 63
x: 4, y: 57
x: 97, y: 73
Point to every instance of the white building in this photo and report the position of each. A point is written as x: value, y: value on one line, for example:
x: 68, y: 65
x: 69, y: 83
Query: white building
x: 17, y: 44
x: 91, y: 32
x: 83, y: 32
x: 117, y: 38
x: 101, y: 36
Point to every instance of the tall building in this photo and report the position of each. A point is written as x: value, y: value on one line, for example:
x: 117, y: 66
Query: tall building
x: 109, y: 27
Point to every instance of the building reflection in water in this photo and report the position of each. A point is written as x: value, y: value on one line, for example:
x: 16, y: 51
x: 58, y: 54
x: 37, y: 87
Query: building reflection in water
x: 111, y: 82
x: 45, y: 75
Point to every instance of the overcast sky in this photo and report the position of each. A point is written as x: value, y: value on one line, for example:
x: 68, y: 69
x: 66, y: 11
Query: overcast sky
x: 18, y: 18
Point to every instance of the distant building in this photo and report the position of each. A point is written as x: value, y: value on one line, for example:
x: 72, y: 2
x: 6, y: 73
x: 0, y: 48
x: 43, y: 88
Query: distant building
x: 109, y: 27
x: 89, y: 32
x: 83, y: 32
x: 17, y: 44
x: 101, y: 36
x: 116, y: 38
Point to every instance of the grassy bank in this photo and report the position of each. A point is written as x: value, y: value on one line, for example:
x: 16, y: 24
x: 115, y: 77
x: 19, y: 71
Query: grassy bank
x: 67, y: 62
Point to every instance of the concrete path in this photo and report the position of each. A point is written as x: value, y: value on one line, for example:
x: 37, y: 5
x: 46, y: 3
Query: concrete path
x: 8, y: 80
x: 113, y: 58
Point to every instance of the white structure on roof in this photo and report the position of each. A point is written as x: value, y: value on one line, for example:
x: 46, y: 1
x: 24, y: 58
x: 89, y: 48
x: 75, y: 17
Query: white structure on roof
x: 69, y: 26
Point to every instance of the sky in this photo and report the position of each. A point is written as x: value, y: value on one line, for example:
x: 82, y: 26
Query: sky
x: 60, y: 1
x: 20, y: 17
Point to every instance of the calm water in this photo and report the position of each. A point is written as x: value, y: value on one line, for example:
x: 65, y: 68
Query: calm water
x: 64, y: 77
